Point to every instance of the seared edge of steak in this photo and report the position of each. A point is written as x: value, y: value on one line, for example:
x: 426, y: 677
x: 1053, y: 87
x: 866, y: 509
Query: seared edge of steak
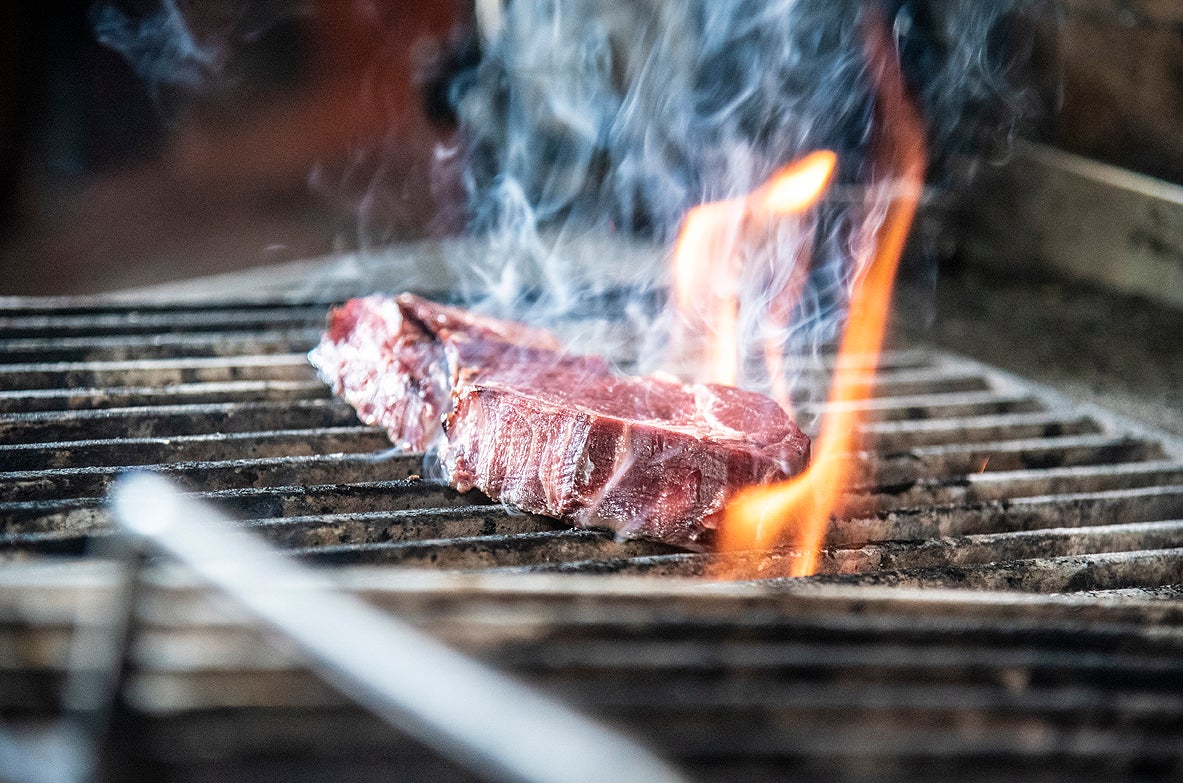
x: 387, y: 367
x: 640, y: 476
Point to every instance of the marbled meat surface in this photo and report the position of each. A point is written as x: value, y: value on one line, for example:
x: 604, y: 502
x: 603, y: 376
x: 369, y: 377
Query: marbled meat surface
x: 553, y: 433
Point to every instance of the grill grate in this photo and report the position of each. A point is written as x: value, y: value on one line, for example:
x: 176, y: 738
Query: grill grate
x: 731, y: 682
x: 973, y: 479
x: 971, y: 472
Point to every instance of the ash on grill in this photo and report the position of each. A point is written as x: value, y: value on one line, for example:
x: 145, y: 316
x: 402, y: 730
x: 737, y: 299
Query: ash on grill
x: 973, y: 479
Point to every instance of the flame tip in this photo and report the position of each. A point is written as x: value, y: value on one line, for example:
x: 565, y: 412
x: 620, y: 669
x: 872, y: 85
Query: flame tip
x: 802, y: 507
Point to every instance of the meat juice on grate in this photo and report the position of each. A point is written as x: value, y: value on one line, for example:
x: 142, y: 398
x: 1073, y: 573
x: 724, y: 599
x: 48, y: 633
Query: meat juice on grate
x: 554, y: 433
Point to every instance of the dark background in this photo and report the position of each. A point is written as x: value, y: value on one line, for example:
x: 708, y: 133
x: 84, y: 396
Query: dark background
x: 309, y: 132
x: 306, y: 130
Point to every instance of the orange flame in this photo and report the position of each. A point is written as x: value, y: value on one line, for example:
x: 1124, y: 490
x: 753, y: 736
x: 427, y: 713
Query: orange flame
x: 707, y: 258
x: 801, y: 507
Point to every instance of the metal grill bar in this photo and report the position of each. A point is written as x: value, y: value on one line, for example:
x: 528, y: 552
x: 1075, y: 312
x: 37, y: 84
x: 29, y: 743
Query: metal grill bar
x: 935, y: 553
x: 908, y: 382
x: 138, y: 321
x: 90, y: 514
x: 1144, y: 504
x: 1000, y: 485
x: 264, y: 472
x: 322, y: 530
x: 958, y: 459
x: 155, y: 372
x: 158, y: 420
x: 214, y: 446
x: 37, y: 400
x: 934, y: 406
x: 122, y: 347
x: 899, y: 435
x: 722, y: 678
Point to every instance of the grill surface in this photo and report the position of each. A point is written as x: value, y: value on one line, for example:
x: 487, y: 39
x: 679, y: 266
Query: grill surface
x: 972, y: 479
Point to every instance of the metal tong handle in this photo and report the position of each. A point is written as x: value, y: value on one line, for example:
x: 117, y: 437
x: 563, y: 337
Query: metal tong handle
x: 467, y: 711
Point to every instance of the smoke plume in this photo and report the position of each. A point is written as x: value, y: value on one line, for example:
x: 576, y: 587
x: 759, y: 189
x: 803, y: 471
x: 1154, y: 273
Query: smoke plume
x: 585, y: 116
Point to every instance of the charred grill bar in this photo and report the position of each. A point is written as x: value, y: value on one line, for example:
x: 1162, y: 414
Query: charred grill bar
x: 973, y: 479
x: 729, y: 681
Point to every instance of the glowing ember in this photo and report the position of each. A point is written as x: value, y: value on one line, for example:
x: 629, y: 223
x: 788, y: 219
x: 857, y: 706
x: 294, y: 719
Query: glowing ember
x: 801, y: 508
x: 708, y: 261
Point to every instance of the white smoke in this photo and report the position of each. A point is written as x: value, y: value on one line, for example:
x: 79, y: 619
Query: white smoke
x: 616, y: 118
x: 161, y: 46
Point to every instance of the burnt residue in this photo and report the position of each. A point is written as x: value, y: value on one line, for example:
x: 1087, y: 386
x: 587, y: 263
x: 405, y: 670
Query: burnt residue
x: 1104, y: 571
x: 1120, y: 352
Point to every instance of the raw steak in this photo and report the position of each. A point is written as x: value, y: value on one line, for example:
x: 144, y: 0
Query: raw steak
x: 553, y: 433
x: 397, y: 359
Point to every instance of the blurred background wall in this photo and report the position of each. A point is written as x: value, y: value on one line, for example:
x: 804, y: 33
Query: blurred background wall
x: 202, y: 137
